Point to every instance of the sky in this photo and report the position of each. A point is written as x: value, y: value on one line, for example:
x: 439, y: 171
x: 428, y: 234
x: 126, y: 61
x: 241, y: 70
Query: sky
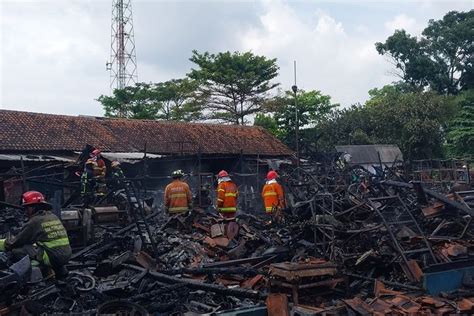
x: 53, y: 52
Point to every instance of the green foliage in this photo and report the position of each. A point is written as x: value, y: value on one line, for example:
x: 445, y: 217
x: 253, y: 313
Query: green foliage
x: 313, y: 107
x: 415, y: 121
x: 178, y: 100
x: 171, y: 100
x: 441, y: 59
x: 450, y: 42
x: 409, y: 58
x: 359, y: 137
x: 235, y: 85
x: 343, y: 125
x: 267, y: 122
x: 461, y: 129
x: 131, y: 102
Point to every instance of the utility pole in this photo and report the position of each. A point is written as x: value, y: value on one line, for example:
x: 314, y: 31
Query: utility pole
x: 295, y: 90
x: 123, y: 59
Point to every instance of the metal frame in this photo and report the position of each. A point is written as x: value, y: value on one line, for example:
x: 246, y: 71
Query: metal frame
x: 123, y: 59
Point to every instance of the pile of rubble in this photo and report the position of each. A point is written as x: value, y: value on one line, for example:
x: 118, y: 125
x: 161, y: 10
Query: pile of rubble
x: 360, y: 247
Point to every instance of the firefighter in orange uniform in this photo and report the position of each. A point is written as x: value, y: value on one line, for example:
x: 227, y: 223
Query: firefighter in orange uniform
x: 227, y: 194
x: 272, y: 194
x: 99, y: 170
x: 178, y: 197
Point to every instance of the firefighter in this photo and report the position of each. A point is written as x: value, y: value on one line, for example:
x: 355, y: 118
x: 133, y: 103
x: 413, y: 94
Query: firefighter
x: 272, y: 194
x: 99, y: 171
x: 88, y: 182
x: 178, y: 197
x: 99, y: 167
x: 118, y: 176
x: 227, y: 194
x: 117, y: 172
x: 43, y: 238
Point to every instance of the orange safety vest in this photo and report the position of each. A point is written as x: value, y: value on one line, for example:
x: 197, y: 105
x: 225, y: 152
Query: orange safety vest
x: 272, y: 194
x: 178, y: 196
x: 98, y: 167
x: 227, y: 194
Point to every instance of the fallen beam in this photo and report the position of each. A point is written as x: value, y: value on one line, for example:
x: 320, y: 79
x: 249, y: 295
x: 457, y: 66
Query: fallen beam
x: 116, y: 234
x: 238, y: 292
x: 459, y: 206
x: 390, y: 283
x: 220, y: 271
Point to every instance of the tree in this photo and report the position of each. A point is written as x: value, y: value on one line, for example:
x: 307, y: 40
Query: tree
x: 415, y: 121
x: 178, y: 100
x: 131, y: 102
x: 460, y: 136
x: 441, y: 59
x: 409, y: 57
x: 267, y: 122
x: 313, y: 106
x: 235, y: 85
x: 348, y: 126
x: 173, y: 100
x: 450, y: 42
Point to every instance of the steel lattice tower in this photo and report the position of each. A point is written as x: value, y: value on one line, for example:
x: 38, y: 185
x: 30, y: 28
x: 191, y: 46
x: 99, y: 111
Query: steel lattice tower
x: 123, y: 59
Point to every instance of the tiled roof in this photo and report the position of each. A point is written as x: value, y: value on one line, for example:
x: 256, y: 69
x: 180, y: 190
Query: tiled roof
x: 26, y: 131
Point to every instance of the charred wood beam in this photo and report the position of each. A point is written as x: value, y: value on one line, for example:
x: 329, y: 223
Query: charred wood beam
x: 236, y: 262
x: 434, y: 194
x: 390, y: 283
x: 109, y: 240
x: 237, y: 292
x: 220, y: 271
x: 5, y: 204
x: 57, y: 184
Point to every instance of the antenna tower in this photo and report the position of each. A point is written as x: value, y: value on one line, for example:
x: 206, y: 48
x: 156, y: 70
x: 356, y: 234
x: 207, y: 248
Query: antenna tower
x: 123, y: 59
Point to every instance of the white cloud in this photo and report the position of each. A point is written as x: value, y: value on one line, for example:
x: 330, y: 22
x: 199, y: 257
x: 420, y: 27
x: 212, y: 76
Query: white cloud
x: 52, y: 57
x: 53, y: 52
x: 403, y: 21
x: 329, y: 59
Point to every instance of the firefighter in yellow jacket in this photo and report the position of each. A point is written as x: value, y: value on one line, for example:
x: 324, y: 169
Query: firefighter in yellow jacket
x: 227, y: 195
x: 178, y: 197
x: 43, y: 238
x: 273, y: 195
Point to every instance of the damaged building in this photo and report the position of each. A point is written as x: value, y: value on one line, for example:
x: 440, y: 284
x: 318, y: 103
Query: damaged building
x: 37, y: 148
x: 349, y: 241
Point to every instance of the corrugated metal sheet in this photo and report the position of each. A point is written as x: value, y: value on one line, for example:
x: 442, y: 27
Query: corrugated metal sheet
x: 26, y: 131
x: 34, y: 158
x: 368, y: 154
x: 129, y: 157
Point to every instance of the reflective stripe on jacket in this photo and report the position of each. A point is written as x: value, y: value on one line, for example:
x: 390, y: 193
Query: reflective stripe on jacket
x: 227, y: 194
x: 117, y: 173
x: 98, y: 167
x: 178, y: 197
x: 273, y: 197
x: 46, y: 230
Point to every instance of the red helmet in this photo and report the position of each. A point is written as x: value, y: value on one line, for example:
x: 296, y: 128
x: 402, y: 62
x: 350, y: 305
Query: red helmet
x: 30, y: 198
x: 272, y: 175
x: 222, y: 174
x: 95, y: 152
